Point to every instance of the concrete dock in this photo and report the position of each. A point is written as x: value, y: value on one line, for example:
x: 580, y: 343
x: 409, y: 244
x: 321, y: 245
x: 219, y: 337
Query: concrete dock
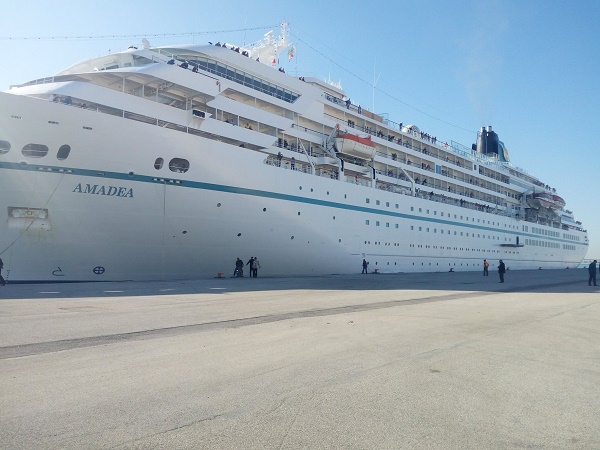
x: 406, y: 361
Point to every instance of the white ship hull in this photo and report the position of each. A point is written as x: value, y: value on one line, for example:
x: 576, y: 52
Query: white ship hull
x: 107, y: 213
x: 177, y: 231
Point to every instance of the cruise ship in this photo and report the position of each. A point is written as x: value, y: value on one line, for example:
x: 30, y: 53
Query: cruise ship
x: 169, y: 162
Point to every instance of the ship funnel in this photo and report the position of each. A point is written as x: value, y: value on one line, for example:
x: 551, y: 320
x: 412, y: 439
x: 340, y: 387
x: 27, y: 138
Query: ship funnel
x: 488, y: 142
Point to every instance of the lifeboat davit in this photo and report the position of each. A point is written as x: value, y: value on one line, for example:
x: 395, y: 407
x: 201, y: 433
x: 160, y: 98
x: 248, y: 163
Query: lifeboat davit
x: 540, y: 200
x: 353, y: 145
x: 558, y: 202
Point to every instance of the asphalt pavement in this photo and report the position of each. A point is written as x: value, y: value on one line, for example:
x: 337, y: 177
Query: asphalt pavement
x: 404, y: 361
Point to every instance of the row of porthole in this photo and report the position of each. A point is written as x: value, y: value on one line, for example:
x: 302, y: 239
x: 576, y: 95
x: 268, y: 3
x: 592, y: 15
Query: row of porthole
x: 40, y: 150
x: 437, y: 264
x: 312, y: 190
x: 291, y: 237
x: 412, y: 208
x: 37, y: 150
x: 178, y: 165
x: 265, y: 209
x: 441, y: 247
x: 376, y: 243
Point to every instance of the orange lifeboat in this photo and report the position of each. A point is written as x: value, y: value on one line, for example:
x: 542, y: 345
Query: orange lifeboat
x: 540, y: 200
x: 558, y: 201
x: 356, y: 146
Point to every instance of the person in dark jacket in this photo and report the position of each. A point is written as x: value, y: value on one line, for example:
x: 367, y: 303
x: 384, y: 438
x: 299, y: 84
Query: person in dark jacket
x: 2, y: 281
x: 239, y: 268
x: 365, y: 264
x: 485, y: 268
x: 501, y: 270
x: 249, y: 264
x: 592, y: 271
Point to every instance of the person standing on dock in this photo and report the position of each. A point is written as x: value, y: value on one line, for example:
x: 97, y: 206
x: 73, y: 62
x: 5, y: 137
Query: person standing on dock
x: 486, y: 265
x: 3, y: 282
x: 255, y: 266
x: 591, y: 270
x: 249, y: 264
x: 365, y: 264
x: 239, y: 268
x: 501, y: 270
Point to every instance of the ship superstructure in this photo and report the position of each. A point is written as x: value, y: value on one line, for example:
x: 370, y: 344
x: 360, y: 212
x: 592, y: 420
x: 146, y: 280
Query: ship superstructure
x: 171, y: 162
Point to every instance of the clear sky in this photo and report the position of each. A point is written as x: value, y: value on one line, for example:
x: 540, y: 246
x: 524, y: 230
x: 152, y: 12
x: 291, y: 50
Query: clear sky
x: 529, y: 68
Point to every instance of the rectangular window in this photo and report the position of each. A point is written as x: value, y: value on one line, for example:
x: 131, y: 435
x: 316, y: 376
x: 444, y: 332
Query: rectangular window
x: 367, y: 222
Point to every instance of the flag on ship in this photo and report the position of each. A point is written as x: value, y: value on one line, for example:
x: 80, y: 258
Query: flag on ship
x: 291, y: 52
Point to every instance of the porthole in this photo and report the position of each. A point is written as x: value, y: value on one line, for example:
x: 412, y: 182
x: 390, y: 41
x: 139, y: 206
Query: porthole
x: 311, y: 189
x: 264, y: 209
x: 158, y: 163
x: 327, y: 192
x: 218, y: 205
x: 184, y: 232
x: 239, y: 234
x: 333, y: 217
x: 339, y: 240
x: 179, y: 165
x: 298, y: 212
x: 4, y: 147
x: 35, y: 150
x: 292, y: 237
x: 300, y: 187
